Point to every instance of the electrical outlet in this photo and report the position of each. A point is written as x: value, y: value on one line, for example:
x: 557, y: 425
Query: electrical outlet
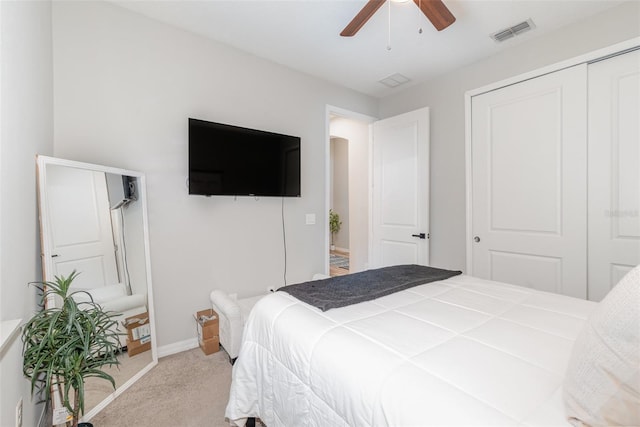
x: 19, y: 413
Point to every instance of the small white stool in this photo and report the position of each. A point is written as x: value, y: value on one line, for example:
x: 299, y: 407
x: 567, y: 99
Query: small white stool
x: 233, y: 315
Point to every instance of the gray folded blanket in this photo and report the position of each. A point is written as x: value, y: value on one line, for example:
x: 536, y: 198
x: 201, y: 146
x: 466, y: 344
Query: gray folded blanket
x: 364, y: 286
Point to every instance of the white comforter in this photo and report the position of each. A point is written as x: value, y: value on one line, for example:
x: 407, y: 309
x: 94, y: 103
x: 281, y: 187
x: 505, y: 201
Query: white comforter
x: 462, y: 351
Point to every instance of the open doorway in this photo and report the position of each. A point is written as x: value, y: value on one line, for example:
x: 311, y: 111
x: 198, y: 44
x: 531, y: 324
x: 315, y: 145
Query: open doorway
x: 339, y: 206
x: 388, y: 187
x: 348, y: 185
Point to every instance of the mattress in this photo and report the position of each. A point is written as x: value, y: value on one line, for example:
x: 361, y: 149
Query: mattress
x: 461, y: 351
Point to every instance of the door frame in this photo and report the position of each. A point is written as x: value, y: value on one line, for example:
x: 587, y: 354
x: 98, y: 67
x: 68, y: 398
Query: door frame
x: 331, y: 110
x: 590, y: 57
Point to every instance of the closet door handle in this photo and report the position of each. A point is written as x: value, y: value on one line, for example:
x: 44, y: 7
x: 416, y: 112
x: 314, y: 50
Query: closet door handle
x: 421, y: 235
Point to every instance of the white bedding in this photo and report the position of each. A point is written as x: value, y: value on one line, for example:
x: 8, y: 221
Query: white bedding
x: 462, y: 351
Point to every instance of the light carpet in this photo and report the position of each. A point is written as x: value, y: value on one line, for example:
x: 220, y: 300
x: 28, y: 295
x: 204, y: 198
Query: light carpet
x: 184, y: 389
x: 97, y: 389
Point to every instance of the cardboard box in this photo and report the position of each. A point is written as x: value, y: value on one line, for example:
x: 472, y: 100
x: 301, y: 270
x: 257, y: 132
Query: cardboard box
x: 208, y: 324
x: 137, y: 347
x: 210, y: 346
x: 138, y: 333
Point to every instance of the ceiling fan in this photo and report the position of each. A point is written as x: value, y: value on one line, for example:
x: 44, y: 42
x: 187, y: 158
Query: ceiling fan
x: 434, y: 10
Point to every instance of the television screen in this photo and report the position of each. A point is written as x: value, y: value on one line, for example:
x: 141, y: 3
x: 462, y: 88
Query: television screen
x: 234, y: 161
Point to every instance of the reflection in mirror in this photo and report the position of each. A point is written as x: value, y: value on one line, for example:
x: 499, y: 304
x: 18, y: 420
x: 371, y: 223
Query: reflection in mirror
x: 93, y: 220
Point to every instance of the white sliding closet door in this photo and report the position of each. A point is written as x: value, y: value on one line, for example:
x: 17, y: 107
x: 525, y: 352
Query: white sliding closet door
x: 529, y: 191
x: 614, y: 171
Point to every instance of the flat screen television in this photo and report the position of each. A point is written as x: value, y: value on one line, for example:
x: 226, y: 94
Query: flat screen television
x: 227, y: 160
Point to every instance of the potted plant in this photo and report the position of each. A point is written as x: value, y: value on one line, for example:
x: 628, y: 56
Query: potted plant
x: 334, y: 225
x: 66, y: 344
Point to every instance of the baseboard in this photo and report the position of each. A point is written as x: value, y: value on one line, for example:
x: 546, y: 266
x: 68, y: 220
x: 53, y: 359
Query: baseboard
x: 343, y: 250
x: 177, y: 347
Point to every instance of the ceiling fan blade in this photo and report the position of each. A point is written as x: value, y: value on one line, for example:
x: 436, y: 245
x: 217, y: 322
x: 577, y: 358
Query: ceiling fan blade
x: 436, y: 12
x: 362, y: 17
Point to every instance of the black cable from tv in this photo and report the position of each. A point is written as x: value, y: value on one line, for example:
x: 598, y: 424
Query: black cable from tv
x: 284, y: 243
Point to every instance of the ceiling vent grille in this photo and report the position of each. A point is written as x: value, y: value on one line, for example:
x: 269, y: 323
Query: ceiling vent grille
x: 395, y: 80
x: 513, y: 31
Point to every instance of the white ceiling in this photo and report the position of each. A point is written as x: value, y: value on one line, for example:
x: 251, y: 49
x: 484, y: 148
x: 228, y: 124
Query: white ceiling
x: 304, y: 34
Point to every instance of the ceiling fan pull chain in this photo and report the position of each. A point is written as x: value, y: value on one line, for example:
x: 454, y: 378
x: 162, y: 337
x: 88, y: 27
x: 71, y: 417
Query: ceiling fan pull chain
x: 389, y: 25
x: 419, y: 20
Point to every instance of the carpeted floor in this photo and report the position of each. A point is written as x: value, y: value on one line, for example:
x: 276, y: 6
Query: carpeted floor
x: 97, y: 389
x: 185, y: 389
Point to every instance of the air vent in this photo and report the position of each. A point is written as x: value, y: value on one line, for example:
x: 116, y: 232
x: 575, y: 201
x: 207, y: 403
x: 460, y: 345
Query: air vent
x: 513, y: 31
x: 395, y: 80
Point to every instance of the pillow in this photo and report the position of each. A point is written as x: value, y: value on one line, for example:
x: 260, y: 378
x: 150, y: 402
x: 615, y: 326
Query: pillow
x: 602, y: 383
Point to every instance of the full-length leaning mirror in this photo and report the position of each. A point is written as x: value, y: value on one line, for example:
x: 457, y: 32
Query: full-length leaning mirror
x: 93, y: 219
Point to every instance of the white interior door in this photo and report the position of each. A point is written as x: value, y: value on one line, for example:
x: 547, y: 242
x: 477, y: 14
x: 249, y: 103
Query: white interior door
x: 400, y: 195
x: 614, y: 171
x: 529, y: 183
x: 80, y: 223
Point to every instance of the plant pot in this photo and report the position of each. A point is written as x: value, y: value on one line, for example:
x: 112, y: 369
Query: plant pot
x: 85, y: 425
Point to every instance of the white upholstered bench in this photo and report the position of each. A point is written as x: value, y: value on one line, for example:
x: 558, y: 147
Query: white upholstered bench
x: 114, y: 298
x: 233, y: 314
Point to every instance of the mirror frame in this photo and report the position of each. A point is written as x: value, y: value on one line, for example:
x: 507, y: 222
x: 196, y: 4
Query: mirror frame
x: 47, y: 263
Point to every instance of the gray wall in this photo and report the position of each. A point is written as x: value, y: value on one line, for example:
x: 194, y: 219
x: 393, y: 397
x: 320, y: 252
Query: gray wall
x: 340, y: 189
x: 445, y: 97
x: 122, y: 98
x: 26, y: 126
x: 124, y: 87
x: 356, y: 131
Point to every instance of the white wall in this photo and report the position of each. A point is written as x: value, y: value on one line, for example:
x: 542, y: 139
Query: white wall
x: 124, y: 88
x: 26, y: 126
x: 357, y: 133
x: 340, y: 189
x: 132, y: 219
x: 445, y: 97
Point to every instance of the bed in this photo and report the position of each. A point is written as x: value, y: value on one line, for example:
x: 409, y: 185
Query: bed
x: 461, y: 351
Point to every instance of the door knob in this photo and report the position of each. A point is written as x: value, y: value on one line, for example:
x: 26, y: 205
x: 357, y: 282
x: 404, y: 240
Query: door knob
x: 54, y: 255
x: 421, y: 235
x: 476, y: 239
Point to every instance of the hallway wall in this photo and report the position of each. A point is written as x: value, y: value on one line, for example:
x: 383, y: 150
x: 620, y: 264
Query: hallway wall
x: 340, y: 189
x: 357, y: 133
